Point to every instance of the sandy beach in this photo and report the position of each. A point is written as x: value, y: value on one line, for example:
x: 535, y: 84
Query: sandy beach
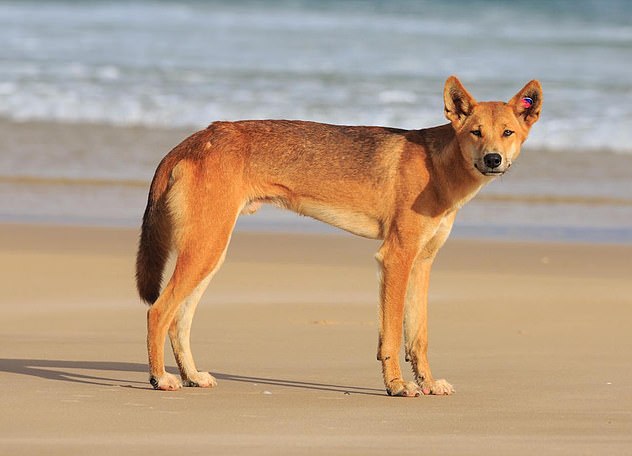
x: 535, y: 338
x: 530, y: 300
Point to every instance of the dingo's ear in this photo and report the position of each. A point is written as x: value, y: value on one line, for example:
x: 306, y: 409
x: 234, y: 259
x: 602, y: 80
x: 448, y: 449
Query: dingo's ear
x: 458, y: 101
x: 528, y: 102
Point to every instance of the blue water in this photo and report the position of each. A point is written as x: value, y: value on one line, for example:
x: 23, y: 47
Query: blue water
x: 70, y: 68
x: 186, y: 63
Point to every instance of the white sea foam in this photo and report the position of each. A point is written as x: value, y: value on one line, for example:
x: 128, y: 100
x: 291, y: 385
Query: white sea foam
x: 166, y: 64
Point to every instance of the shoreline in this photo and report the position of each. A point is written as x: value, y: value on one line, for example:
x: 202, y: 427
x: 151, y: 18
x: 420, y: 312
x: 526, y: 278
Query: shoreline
x: 290, y: 224
x: 497, y: 197
x: 90, y: 174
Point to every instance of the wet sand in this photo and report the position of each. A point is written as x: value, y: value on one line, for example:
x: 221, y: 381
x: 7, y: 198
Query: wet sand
x: 534, y: 336
x: 83, y: 174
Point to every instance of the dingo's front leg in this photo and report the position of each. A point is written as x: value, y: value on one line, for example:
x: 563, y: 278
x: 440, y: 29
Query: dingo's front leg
x: 416, y: 330
x: 416, y: 313
x: 395, y: 263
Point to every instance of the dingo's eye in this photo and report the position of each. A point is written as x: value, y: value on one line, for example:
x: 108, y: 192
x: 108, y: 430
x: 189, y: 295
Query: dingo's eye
x: 477, y: 133
x: 508, y: 133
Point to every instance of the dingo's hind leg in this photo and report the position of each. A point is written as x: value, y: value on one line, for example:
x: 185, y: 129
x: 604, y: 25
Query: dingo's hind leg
x: 180, y: 334
x: 180, y: 337
x: 200, y: 258
x: 203, y: 219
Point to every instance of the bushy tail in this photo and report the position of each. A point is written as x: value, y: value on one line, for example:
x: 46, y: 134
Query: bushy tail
x: 155, y: 237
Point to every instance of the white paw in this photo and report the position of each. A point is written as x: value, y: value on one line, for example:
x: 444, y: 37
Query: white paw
x: 403, y: 389
x: 166, y: 382
x: 201, y: 380
x: 437, y: 387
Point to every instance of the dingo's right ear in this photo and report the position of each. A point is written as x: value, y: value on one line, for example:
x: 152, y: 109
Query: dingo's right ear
x: 458, y: 101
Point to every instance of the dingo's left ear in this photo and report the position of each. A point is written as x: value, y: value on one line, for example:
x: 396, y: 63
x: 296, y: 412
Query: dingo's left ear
x: 527, y: 103
x: 458, y: 101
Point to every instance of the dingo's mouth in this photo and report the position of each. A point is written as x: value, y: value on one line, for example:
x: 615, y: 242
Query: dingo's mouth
x: 485, y: 171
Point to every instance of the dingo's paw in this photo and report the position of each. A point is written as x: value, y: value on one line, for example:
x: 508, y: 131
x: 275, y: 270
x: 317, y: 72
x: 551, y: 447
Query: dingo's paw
x: 166, y: 382
x: 403, y: 389
x: 201, y: 380
x: 437, y: 387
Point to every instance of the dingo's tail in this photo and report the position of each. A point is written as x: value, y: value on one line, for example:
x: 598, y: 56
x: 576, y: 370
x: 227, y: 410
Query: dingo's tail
x: 155, y: 237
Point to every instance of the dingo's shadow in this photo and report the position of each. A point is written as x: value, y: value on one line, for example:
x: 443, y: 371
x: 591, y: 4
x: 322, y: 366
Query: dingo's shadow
x: 92, y: 373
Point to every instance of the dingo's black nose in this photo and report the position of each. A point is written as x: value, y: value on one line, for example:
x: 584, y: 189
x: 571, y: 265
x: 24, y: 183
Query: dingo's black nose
x: 492, y: 160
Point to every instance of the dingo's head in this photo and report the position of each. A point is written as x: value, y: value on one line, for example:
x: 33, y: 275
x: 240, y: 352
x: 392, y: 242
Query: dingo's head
x: 490, y: 133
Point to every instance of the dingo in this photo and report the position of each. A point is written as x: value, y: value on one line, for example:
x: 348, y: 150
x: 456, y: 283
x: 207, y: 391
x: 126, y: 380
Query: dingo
x: 402, y: 186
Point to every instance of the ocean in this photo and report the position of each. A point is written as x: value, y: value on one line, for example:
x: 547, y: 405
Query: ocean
x: 94, y: 93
